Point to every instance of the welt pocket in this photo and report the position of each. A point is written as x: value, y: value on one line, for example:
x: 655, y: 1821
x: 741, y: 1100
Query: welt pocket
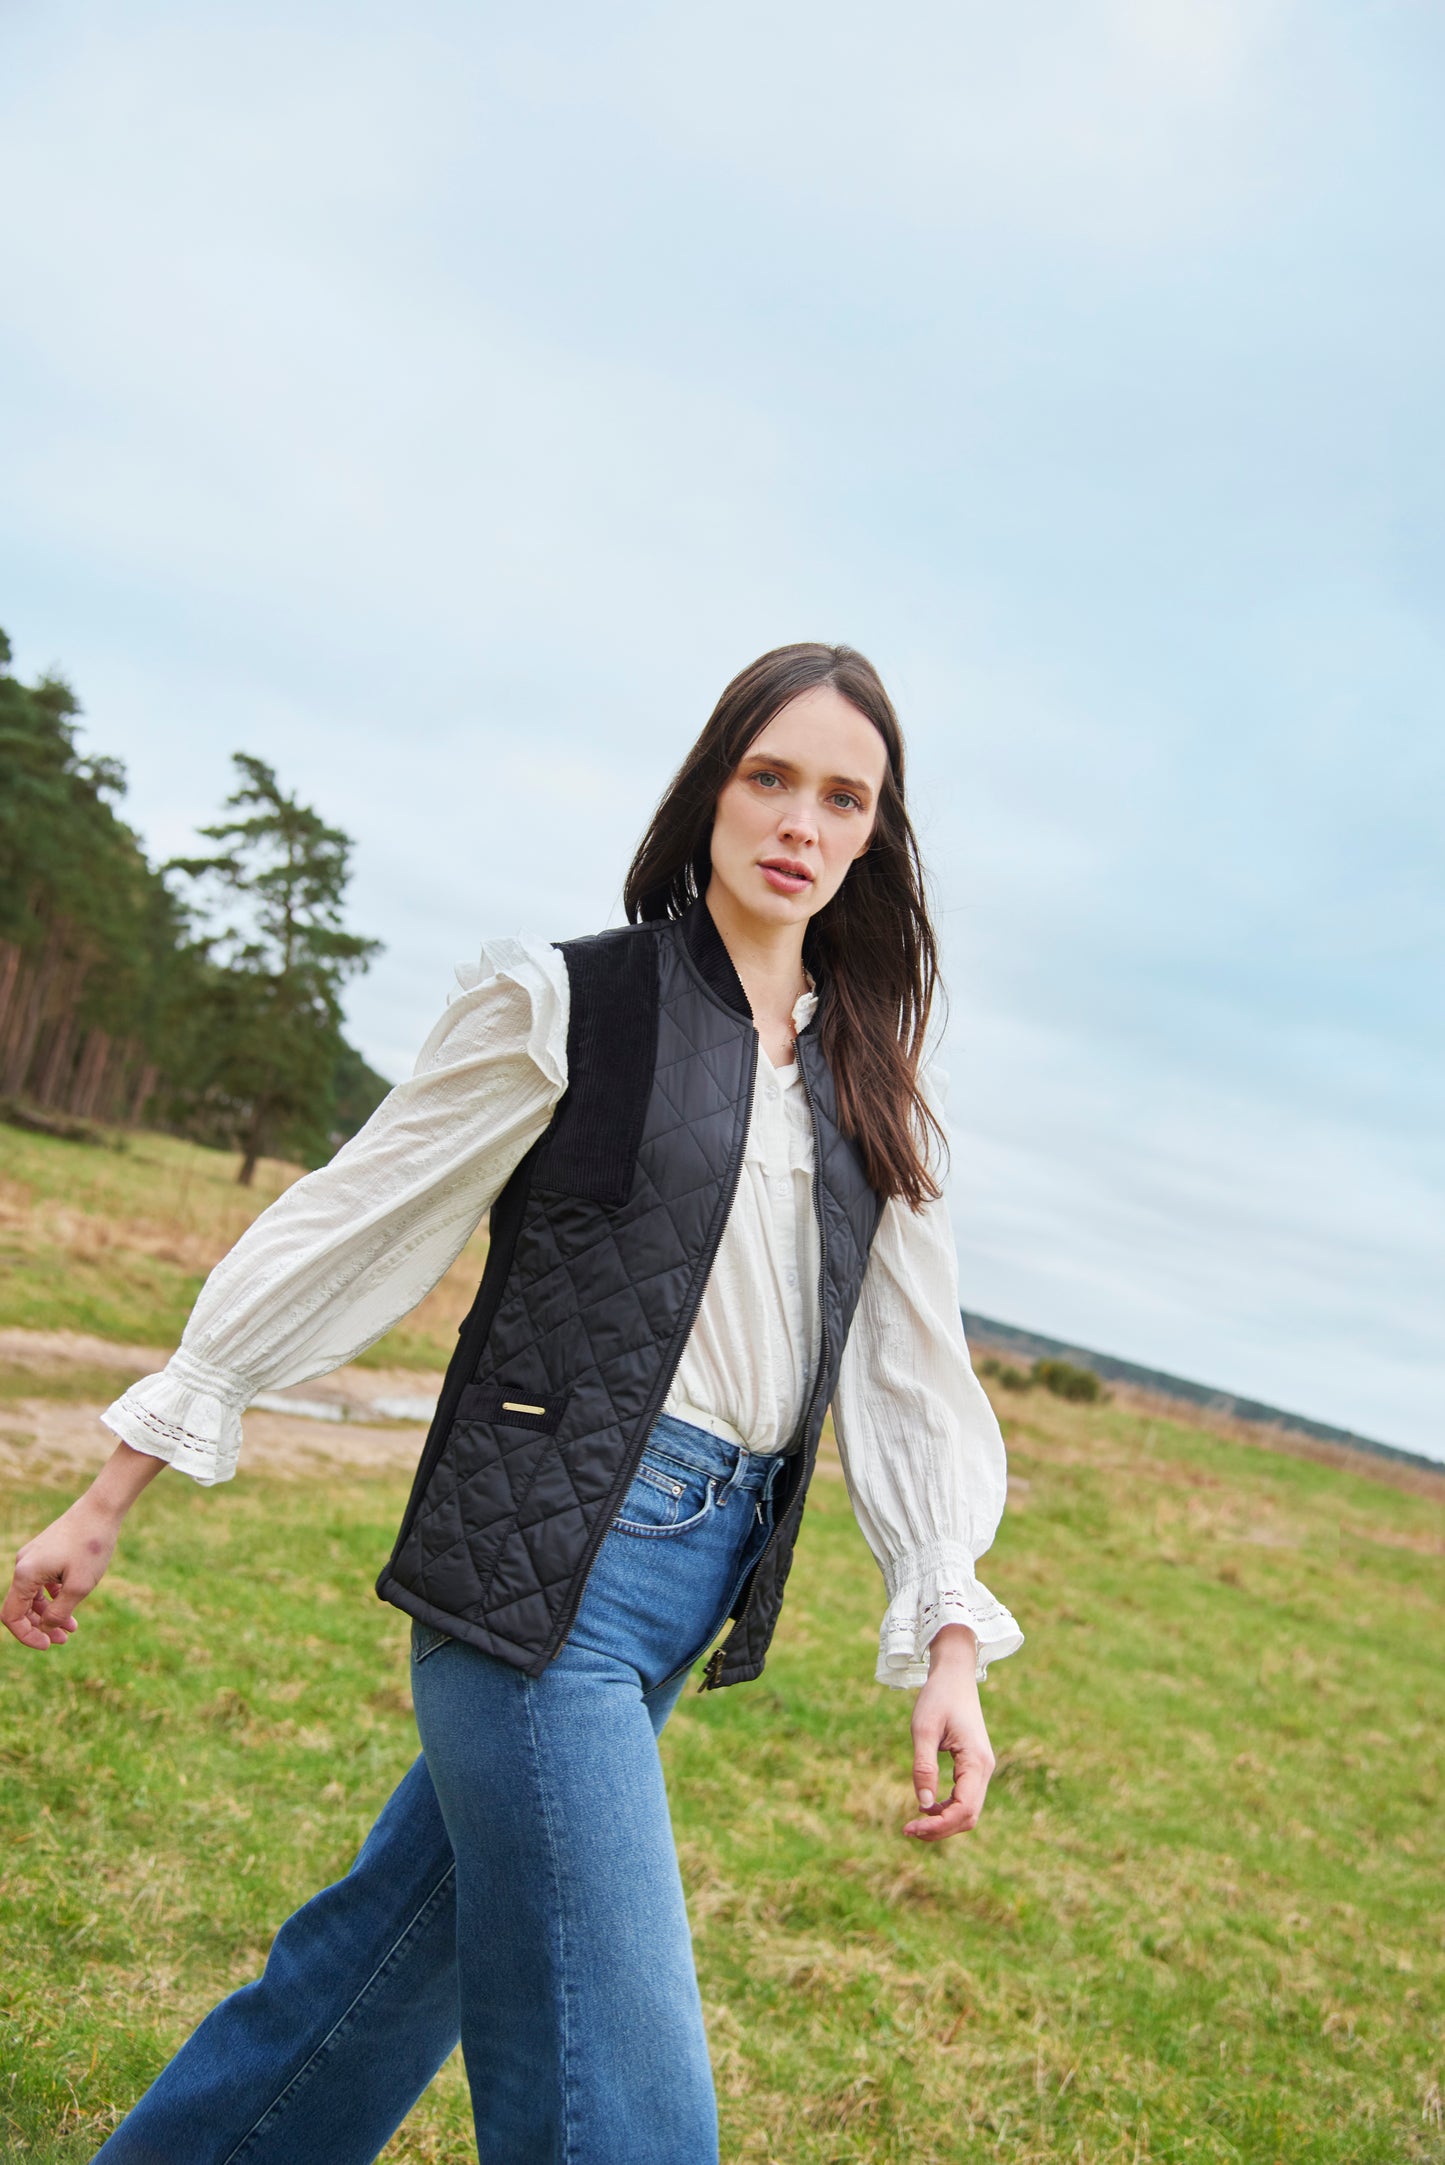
x: 506, y: 1406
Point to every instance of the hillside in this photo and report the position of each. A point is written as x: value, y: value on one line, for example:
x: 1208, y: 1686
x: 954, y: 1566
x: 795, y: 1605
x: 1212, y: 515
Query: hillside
x: 1226, y: 1409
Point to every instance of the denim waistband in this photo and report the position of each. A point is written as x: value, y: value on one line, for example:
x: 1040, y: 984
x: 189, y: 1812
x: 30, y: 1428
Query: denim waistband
x: 700, y: 1449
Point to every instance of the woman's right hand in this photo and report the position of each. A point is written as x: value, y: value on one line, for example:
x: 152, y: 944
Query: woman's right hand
x: 55, y: 1571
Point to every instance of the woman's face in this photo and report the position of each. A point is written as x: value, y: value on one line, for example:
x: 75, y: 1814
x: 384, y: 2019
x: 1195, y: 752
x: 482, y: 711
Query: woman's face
x: 798, y: 810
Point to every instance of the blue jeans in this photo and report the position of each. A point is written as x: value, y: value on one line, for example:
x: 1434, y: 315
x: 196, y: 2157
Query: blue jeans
x: 520, y: 1889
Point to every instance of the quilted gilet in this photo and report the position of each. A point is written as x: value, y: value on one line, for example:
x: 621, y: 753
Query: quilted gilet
x: 601, y: 1244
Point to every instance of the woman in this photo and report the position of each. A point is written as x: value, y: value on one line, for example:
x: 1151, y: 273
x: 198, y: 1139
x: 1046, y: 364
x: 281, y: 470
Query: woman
x: 705, y: 1147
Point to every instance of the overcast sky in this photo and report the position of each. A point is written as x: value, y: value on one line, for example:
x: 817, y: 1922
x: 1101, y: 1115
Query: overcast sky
x: 442, y: 403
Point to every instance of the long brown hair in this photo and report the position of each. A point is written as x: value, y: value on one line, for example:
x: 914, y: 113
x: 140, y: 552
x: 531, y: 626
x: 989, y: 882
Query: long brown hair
x: 871, y: 948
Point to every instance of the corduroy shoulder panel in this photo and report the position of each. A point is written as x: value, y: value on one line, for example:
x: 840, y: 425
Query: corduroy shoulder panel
x: 590, y: 1150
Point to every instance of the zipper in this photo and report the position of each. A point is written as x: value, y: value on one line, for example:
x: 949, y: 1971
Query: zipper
x: 712, y: 1674
x: 686, y: 1319
x: 821, y: 1216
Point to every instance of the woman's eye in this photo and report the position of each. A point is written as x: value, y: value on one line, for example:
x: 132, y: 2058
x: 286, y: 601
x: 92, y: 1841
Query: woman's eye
x: 849, y: 804
x: 767, y: 779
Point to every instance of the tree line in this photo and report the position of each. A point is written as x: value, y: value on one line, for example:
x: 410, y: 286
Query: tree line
x: 202, y: 995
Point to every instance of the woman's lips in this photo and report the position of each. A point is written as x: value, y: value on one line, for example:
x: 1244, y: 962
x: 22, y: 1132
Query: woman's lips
x: 786, y: 879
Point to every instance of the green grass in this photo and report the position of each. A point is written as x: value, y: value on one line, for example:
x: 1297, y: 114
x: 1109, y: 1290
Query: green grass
x: 117, y: 1242
x: 1202, y: 1918
x: 80, y: 1385
x: 48, y: 1287
x: 146, y: 1179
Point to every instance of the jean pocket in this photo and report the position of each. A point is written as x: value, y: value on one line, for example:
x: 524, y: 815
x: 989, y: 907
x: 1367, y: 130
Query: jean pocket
x: 660, y: 1503
x: 425, y: 1639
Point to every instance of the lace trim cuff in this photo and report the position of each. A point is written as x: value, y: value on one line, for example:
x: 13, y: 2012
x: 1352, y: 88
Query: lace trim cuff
x: 189, y: 1415
x: 942, y: 1594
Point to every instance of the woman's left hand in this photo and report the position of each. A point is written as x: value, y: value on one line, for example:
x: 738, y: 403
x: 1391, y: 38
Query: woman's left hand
x: 947, y: 1717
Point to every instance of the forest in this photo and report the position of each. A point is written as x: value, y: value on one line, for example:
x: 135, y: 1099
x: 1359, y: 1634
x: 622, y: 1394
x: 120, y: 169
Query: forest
x: 201, y: 996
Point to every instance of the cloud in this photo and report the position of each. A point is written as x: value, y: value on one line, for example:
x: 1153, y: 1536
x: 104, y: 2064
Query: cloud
x: 1098, y: 123
x: 444, y: 407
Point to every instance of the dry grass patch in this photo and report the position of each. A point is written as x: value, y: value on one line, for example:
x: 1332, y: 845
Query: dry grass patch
x: 116, y: 1244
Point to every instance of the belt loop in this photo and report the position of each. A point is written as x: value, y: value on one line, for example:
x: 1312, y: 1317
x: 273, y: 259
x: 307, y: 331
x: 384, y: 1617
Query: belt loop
x: 744, y: 1460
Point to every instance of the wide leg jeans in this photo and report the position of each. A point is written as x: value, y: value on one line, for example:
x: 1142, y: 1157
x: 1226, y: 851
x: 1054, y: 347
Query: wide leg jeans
x: 519, y: 1890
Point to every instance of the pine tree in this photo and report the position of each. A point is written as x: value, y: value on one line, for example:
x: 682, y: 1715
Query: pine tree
x: 269, y: 1048
x: 93, y: 967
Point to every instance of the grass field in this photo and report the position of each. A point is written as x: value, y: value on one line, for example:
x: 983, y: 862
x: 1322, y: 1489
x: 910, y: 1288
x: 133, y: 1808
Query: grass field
x: 1202, y: 1919
x: 118, y: 1241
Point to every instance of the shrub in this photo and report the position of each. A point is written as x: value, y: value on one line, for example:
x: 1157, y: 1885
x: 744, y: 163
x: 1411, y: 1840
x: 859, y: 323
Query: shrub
x: 1012, y: 1379
x: 1067, y: 1381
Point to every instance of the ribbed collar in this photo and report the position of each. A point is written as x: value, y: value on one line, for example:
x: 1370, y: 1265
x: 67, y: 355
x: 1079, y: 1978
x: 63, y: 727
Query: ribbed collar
x: 715, y: 966
x: 711, y: 959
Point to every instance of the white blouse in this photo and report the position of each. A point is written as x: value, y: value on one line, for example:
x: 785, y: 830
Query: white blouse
x: 748, y: 1365
x: 345, y: 1253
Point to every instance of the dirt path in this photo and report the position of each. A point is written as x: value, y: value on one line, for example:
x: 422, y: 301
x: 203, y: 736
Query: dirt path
x: 372, y: 1418
x: 361, y: 1418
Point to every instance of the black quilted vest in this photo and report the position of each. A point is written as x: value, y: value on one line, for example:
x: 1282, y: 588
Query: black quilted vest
x: 601, y: 1244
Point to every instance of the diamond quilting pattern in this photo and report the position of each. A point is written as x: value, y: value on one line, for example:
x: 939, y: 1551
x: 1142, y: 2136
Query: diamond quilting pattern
x: 594, y: 1311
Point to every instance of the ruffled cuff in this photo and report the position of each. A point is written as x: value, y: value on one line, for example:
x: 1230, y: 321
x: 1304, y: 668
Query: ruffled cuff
x: 189, y: 1415
x: 925, y: 1593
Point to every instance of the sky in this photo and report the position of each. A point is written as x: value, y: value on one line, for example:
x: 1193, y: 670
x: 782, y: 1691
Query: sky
x: 443, y: 403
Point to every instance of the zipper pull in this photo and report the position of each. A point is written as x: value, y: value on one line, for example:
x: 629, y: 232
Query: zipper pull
x: 712, y: 1674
